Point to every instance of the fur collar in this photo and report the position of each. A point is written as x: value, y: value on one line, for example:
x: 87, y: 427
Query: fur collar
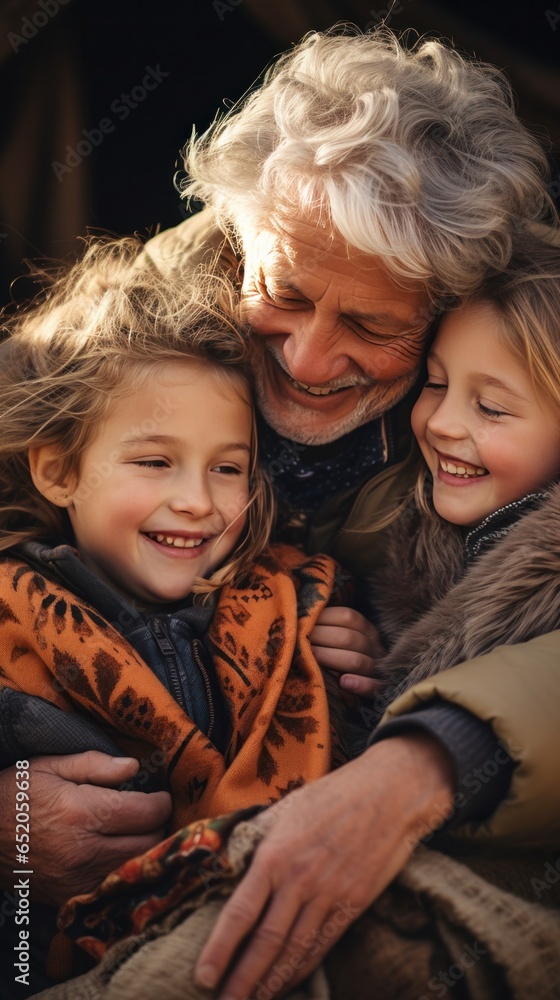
x: 434, y: 615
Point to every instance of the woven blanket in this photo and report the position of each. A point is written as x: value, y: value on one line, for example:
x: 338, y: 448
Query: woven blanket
x: 478, y: 928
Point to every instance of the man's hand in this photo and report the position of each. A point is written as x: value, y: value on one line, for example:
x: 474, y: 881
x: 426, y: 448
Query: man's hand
x: 329, y: 850
x: 345, y: 641
x: 81, y: 827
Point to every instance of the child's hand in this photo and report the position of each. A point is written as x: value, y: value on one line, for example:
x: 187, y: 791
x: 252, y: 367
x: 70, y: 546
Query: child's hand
x: 345, y: 641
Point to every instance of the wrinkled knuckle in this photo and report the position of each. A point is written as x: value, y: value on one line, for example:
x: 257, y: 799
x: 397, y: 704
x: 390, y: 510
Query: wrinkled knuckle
x: 239, y: 911
x: 270, y: 936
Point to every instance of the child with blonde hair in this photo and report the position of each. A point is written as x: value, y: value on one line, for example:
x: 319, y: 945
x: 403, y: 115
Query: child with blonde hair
x: 140, y: 599
x: 144, y: 613
x: 473, y: 557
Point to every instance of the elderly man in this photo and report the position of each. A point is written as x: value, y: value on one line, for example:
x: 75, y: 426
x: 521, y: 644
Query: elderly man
x: 356, y: 193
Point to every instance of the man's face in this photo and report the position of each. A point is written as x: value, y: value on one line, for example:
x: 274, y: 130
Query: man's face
x: 341, y: 340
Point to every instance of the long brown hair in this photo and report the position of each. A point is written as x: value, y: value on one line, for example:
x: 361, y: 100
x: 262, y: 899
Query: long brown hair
x: 98, y: 328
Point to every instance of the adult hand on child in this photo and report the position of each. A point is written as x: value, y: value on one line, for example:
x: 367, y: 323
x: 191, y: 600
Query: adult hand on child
x: 81, y: 826
x: 345, y: 641
x: 329, y: 849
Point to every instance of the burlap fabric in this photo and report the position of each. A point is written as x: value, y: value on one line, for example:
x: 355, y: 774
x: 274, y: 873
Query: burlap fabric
x: 473, y: 928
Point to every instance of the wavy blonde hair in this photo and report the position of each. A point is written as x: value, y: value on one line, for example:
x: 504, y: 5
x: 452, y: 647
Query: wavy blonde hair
x: 526, y: 300
x: 415, y: 155
x: 92, y: 336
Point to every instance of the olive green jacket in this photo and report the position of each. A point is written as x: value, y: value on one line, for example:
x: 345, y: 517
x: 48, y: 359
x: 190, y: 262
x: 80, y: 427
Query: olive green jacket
x: 515, y: 688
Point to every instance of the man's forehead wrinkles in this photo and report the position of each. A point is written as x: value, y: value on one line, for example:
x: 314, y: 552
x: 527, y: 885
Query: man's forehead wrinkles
x: 357, y: 285
x: 307, y: 255
x: 293, y: 259
x: 353, y: 284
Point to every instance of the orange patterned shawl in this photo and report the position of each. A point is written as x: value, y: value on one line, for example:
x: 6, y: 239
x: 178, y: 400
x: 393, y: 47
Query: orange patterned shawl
x: 59, y: 648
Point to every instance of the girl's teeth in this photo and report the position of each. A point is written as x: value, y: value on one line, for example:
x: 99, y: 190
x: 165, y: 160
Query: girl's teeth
x: 466, y: 471
x: 177, y: 541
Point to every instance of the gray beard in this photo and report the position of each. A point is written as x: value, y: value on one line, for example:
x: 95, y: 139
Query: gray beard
x: 290, y: 423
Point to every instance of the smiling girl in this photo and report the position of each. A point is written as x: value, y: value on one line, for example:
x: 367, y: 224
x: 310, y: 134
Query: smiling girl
x: 127, y: 428
x: 138, y: 592
x: 473, y: 557
x: 487, y: 425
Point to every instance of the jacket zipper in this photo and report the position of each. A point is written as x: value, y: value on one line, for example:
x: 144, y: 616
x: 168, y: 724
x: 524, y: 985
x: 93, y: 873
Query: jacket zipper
x: 167, y: 649
x: 206, y: 679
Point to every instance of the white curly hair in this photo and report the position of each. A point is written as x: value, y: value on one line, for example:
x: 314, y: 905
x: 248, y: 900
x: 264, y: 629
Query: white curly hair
x: 415, y: 155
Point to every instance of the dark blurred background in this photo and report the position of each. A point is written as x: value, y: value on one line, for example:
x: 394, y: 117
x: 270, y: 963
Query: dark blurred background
x: 98, y: 96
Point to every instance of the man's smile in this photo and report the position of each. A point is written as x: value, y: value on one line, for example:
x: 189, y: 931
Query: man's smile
x: 327, y: 389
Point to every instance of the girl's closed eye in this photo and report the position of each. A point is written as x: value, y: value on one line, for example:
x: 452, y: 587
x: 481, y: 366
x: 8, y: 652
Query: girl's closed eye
x: 431, y: 384
x: 151, y: 463
x: 489, y: 411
